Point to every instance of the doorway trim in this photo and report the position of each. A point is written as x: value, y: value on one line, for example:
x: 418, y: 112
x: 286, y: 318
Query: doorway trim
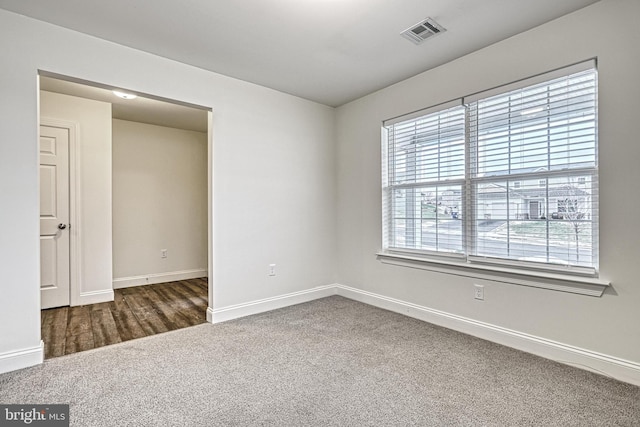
x: 210, y: 213
x: 76, y: 297
x: 75, y: 228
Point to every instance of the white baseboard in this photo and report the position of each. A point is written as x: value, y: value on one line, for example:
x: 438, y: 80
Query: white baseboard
x: 152, y: 279
x: 603, y: 364
x: 24, y: 358
x: 260, y: 306
x: 614, y: 367
x: 95, y: 297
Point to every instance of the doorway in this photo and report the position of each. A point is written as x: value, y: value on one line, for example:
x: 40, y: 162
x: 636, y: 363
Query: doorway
x: 534, y: 209
x: 115, y: 286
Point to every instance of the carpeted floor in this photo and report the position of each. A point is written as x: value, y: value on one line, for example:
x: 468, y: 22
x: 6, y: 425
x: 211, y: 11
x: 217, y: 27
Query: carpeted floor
x: 328, y: 362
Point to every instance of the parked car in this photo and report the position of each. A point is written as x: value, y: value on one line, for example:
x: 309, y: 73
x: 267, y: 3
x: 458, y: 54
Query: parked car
x: 455, y: 214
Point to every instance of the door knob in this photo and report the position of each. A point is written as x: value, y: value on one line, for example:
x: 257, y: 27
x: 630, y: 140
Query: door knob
x: 62, y: 226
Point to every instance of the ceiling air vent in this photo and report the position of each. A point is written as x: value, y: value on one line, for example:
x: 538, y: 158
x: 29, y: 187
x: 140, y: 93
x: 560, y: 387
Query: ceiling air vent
x: 422, y: 31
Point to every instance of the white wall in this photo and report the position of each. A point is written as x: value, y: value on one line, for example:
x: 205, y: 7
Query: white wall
x: 94, y: 172
x: 607, y: 30
x: 159, y: 200
x: 273, y: 172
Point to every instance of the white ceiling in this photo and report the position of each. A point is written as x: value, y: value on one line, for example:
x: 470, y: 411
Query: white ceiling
x: 329, y: 51
x: 140, y: 109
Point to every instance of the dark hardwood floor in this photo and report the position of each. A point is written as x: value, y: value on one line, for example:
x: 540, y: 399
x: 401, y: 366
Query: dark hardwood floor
x: 136, y: 312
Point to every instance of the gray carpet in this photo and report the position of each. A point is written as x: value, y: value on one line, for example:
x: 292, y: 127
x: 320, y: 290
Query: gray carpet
x: 327, y: 362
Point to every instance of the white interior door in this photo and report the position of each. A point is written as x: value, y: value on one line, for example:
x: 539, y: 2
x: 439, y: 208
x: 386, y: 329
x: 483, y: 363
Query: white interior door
x: 54, y: 216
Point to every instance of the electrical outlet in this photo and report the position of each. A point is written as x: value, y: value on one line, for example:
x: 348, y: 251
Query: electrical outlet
x: 272, y: 269
x: 478, y: 292
x: 163, y: 253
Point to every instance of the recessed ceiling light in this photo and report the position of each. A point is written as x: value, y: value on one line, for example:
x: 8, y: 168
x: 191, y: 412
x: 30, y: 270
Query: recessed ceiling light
x: 124, y: 95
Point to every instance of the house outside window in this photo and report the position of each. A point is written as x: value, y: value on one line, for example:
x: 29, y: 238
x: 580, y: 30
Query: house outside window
x: 507, y: 175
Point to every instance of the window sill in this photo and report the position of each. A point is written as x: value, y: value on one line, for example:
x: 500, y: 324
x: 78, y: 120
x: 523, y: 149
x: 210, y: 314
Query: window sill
x: 538, y: 279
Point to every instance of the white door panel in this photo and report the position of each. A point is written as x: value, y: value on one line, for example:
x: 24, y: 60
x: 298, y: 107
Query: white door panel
x: 54, y: 216
x: 48, y: 262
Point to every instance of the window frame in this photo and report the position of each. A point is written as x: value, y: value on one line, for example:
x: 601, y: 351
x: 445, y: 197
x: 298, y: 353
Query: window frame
x: 388, y: 171
x: 576, y: 276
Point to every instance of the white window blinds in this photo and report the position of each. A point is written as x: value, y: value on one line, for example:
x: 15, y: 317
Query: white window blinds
x: 549, y: 126
x: 511, y: 177
x: 425, y: 177
x: 533, y: 172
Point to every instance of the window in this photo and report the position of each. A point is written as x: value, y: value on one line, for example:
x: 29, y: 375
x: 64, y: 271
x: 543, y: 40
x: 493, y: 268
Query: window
x: 506, y: 176
x: 425, y: 178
